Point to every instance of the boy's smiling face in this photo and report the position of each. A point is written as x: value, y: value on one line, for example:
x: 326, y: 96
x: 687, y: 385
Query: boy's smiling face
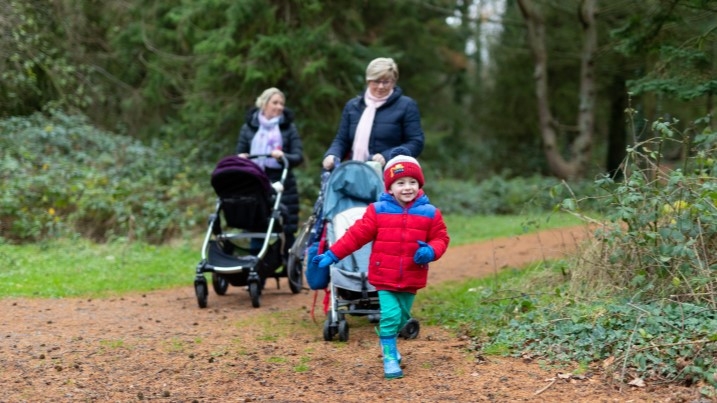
x: 405, y: 190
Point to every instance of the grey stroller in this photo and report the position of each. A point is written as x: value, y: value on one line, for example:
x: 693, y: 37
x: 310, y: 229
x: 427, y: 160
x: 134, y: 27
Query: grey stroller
x: 346, y: 194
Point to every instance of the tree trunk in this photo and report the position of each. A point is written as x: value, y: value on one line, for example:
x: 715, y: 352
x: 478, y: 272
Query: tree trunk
x: 617, y: 133
x: 581, y: 147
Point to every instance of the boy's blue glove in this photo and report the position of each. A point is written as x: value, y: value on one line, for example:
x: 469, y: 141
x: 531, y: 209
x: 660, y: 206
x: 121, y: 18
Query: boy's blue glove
x: 424, y: 254
x: 324, y: 260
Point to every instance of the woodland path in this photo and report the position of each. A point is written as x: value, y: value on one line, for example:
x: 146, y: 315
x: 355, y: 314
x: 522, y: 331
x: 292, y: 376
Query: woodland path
x: 159, y: 346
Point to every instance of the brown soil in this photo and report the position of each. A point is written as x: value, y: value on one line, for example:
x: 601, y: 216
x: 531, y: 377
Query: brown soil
x: 160, y: 346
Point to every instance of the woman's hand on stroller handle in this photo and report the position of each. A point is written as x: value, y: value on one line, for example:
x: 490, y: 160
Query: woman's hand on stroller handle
x: 277, y: 186
x: 330, y: 162
x: 324, y: 260
x: 278, y: 154
x: 378, y: 157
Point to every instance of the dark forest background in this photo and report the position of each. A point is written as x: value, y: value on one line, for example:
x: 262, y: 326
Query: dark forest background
x: 175, y: 71
x: 113, y: 113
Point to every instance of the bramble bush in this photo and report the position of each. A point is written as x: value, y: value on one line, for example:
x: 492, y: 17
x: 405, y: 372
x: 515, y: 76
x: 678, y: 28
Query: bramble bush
x: 659, y: 250
x: 63, y: 177
x: 661, y: 235
x: 526, y: 315
x: 655, y: 256
x: 639, y: 300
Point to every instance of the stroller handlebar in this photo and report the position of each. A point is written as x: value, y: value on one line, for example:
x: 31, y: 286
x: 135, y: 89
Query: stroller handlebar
x: 285, y: 167
x: 283, y: 157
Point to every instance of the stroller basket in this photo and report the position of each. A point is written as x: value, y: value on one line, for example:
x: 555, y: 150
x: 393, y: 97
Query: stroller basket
x: 218, y: 258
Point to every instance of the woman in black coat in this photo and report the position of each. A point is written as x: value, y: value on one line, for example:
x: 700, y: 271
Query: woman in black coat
x: 269, y: 129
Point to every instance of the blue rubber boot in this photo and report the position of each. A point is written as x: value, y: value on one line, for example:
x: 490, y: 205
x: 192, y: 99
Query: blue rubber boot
x: 398, y: 353
x: 391, y: 368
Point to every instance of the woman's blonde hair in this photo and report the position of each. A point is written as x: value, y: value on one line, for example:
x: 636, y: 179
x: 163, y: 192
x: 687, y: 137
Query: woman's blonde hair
x: 382, y: 67
x: 265, y: 96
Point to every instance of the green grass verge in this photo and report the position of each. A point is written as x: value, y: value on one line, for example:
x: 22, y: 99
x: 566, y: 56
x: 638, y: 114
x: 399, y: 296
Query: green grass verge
x: 79, y: 268
x: 530, y: 312
x: 485, y: 305
x: 464, y: 230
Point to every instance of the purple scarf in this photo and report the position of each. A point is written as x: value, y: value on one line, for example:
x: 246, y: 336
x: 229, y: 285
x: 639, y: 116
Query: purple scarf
x: 266, y: 140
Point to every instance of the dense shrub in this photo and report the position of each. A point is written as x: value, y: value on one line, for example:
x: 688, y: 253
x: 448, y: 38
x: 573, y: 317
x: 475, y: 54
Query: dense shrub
x: 498, y: 195
x: 63, y: 176
x: 639, y: 300
x: 531, y: 314
x: 659, y: 250
x: 492, y: 196
x: 661, y: 237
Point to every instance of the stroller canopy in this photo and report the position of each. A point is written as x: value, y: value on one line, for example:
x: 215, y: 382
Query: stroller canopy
x: 351, y: 184
x: 245, y: 193
x: 235, y: 175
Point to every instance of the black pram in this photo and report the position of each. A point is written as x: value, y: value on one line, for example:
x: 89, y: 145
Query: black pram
x: 248, y: 213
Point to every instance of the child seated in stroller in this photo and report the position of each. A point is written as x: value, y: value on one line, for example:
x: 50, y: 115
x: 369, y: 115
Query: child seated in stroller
x: 407, y: 233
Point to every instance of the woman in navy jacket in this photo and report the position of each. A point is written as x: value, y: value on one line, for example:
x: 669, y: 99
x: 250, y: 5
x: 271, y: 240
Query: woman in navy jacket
x: 378, y: 121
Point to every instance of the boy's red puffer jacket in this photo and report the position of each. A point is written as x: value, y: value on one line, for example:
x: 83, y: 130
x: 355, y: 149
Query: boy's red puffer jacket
x: 395, y: 231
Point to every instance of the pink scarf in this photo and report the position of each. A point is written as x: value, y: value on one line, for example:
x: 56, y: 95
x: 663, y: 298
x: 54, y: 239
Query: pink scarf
x: 363, y: 130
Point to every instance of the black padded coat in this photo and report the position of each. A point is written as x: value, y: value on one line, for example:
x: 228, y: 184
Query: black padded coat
x: 294, y: 152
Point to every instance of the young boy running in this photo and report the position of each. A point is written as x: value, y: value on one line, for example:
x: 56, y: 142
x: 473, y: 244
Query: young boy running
x: 407, y: 233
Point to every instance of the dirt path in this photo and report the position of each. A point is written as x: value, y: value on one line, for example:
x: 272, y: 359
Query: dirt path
x: 160, y: 346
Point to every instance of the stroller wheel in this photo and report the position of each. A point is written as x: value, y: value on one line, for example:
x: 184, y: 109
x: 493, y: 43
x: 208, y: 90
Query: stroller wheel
x: 201, y: 289
x: 219, y: 284
x: 328, y: 330
x: 254, y: 293
x: 343, y: 330
x: 410, y: 329
x: 295, y: 273
x: 295, y: 260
